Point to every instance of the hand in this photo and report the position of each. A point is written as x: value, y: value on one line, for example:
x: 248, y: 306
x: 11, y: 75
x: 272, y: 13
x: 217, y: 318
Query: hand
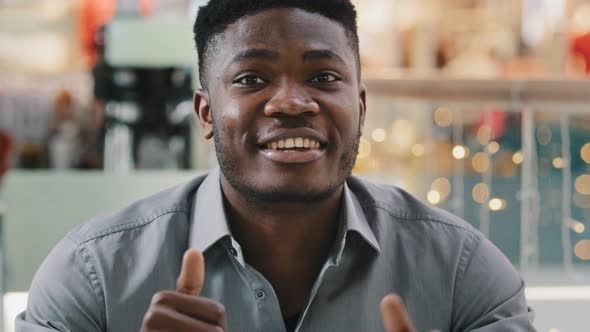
x: 394, y: 315
x: 184, y: 309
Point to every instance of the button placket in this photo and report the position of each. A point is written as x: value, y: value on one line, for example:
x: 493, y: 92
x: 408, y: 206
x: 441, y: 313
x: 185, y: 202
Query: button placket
x: 266, y: 301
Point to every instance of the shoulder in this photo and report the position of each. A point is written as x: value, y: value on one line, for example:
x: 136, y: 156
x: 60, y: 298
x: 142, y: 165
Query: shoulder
x: 431, y: 235
x: 162, y: 205
x: 403, y: 207
x: 100, y: 256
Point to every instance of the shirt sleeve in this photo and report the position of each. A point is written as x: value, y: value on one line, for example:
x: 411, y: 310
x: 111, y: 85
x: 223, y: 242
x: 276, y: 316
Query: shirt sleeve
x: 66, y: 293
x: 489, y: 292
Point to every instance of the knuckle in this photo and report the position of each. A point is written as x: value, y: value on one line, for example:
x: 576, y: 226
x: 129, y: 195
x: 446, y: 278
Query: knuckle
x: 151, y: 317
x: 160, y: 298
x: 219, y: 310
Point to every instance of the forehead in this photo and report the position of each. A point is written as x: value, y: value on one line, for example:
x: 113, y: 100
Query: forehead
x: 287, y: 30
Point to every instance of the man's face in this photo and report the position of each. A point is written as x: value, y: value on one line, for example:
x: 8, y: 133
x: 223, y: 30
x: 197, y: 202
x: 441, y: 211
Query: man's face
x: 284, y: 105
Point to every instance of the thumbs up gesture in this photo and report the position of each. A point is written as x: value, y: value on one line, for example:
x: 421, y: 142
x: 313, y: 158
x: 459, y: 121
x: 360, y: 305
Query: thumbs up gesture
x: 394, y: 315
x: 184, y: 309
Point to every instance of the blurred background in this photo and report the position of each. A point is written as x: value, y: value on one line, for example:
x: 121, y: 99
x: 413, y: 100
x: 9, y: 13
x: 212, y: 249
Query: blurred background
x: 480, y: 107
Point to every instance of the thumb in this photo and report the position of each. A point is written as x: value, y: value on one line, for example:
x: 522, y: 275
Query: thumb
x: 192, y: 273
x: 394, y: 315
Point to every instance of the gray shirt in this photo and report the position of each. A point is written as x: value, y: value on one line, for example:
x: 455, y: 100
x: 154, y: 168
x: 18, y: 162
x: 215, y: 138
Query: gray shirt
x: 102, y: 275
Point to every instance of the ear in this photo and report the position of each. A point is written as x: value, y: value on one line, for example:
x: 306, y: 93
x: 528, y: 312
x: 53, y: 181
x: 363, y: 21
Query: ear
x: 362, y: 106
x: 203, y: 110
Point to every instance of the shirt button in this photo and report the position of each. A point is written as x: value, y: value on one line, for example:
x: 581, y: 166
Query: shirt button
x: 233, y: 251
x: 260, y: 295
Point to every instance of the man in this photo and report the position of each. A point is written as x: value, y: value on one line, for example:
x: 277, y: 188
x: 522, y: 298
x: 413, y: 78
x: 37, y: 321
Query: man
x: 280, y: 236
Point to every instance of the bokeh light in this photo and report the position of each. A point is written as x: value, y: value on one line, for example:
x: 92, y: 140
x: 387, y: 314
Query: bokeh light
x: 582, y: 249
x: 480, y: 193
x: 579, y: 227
x: 582, y: 184
x: 460, y: 152
x: 518, y: 158
x: 403, y: 137
x: 484, y: 135
x: 480, y: 162
x: 442, y: 185
x: 443, y: 117
x: 418, y: 150
x: 379, y: 135
x: 585, y: 153
x: 558, y: 162
x: 497, y: 204
x: 434, y: 197
x: 493, y: 147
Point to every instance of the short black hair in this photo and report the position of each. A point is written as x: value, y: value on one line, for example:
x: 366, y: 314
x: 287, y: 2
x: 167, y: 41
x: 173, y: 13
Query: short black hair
x: 214, y: 18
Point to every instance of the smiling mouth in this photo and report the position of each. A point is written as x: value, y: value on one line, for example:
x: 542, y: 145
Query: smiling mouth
x: 294, y: 144
x: 293, y: 150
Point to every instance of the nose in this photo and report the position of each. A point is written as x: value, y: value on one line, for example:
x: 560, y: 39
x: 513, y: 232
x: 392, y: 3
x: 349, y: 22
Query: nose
x: 291, y: 99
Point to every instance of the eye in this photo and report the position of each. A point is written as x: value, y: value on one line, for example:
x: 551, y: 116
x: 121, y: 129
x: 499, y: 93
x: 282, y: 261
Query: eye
x: 325, y: 78
x: 249, y: 80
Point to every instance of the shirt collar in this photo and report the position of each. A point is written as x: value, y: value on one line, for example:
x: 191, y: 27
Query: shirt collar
x: 209, y: 223
x: 355, y: 219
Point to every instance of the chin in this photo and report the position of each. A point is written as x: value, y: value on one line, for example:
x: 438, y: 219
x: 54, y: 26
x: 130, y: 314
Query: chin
x: 292, y: 197
x: 288, y: 194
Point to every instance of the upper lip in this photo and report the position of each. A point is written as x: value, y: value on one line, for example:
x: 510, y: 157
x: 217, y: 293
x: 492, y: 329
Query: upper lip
x: 280, y: 134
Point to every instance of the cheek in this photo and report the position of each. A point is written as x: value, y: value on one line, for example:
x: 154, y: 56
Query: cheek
x: 346, y: 118
x: 233, y: 121
x: 232, y: 110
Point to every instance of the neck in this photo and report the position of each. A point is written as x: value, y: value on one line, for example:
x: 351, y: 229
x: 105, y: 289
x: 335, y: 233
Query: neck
x: 286, y: 228
x: 287, y: 242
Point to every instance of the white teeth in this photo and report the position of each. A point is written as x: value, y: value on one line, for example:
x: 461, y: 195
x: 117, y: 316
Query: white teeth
x: 299, y: 142
x: 296, y: 142
x: 290, y: 143
x: 306, y: 143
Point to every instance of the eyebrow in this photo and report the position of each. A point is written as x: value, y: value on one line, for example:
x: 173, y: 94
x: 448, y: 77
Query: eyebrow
x: 255, y: 53
x: 322, y: 55
x: 264, y: 54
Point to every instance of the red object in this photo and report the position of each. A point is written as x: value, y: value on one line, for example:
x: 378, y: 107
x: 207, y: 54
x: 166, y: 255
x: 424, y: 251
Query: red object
x: 581, y: 45
x: 94, y: 14
x: 495, y: 118
x: 5, y: 152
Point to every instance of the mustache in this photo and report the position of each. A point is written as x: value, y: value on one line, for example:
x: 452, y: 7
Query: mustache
x: 291, y: 123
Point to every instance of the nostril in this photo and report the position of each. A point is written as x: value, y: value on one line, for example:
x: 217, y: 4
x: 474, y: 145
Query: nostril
x: 291, y: 106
